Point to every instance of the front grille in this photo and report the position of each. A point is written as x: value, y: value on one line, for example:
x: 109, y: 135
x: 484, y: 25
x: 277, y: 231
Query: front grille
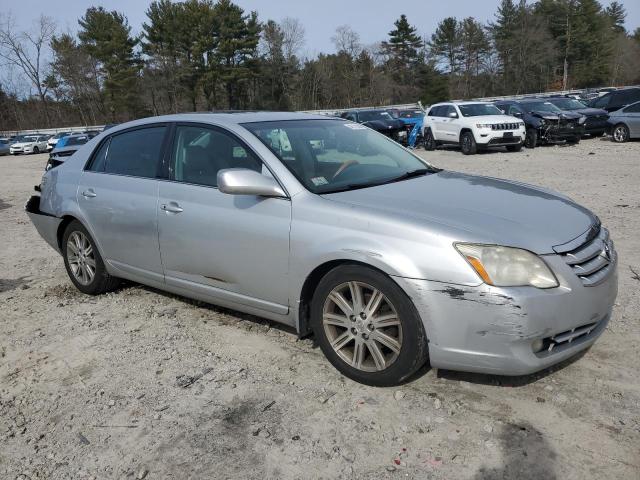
x: 563, y: 340
x: 504, y: 126
x: 593, y: 260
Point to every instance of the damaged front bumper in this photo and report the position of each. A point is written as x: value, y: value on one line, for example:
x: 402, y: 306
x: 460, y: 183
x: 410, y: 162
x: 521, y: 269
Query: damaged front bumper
x: 515, y: 330
x: 561, y: 132
x: 47, y: 225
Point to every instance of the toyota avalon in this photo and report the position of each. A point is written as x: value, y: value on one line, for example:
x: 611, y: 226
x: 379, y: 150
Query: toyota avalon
x: 334, y: 229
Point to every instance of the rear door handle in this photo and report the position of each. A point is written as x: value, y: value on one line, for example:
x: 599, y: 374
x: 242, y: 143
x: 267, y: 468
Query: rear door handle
x: 171, y: 207
x: 89, y: 193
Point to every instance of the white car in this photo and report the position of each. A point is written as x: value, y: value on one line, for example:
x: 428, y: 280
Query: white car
x: 472, y: 125
x: 29, y: 144
x: 53, y: 141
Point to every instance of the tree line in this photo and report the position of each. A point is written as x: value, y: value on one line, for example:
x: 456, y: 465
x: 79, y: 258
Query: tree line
x: 211, y: 55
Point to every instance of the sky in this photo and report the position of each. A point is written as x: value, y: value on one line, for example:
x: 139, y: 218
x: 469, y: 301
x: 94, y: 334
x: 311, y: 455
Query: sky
x: 372, y: 19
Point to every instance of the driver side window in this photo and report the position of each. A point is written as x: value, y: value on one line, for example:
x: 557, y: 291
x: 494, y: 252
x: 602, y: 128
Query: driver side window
x: 200, y: 152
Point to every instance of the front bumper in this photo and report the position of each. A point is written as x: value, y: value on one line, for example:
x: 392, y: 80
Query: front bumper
x: 492, y: 329
x: 47, y: 225
x: 497, y: 138
x: 557, y: 133
x: 16, y: 151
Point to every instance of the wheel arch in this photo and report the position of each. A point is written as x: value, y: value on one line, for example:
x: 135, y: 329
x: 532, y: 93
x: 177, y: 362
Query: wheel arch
x: 311, y: 283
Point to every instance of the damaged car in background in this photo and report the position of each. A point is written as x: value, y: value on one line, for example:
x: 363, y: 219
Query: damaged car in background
x: 545, y: 123
x: 380, y: 121
x: 387, y: 260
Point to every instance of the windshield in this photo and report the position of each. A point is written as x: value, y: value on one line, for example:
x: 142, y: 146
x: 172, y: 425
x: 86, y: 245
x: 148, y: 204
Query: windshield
x: 81, y: 140
x: 25, y: 139
x: 328, y: 156
x: 411, y: 114
x: 478, y: 109
x: 374, y: 115
x: 60, y: 135
x: 541, y: 107
x: 568, y: 104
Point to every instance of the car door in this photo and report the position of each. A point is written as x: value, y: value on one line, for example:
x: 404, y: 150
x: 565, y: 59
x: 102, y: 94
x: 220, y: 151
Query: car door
x: 632, y: 119
x: 435, y: 121
x: 228, y: 247
x: 451, y: 126
x: 118, y: 196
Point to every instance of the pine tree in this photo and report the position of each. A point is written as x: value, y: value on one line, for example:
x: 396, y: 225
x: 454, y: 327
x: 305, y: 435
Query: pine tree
x: 106, y: 36
x: 402, y: 49
x: 617, y: 14
x: 445, y: 43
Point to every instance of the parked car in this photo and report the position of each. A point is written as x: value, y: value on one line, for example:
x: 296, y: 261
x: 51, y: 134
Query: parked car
x: 544, y: 122
x: 380, y: 121
x: 53, y: 141
x: 29, y: 144
x: 4, y: 146
x: 616, y: 99
x: 71, y: 144
x: 624, y: 124
x: 388, y: 260
x: 596, y: 122
x: 472, y: 125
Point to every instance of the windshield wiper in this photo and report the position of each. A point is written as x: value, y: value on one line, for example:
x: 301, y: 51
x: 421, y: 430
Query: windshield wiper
x: 419, y: 172
x: 411, y: 174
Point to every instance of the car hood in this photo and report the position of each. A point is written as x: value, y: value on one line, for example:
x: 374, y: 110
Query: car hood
x: 591, y: 112
x: 478, y: 209
x: 23, y: 144
x: 556, y: 116
x: 494, y: 119
x: 382, y: 125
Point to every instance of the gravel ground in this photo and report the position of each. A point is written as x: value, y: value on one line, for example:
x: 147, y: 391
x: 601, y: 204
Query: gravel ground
x: 142, y: 384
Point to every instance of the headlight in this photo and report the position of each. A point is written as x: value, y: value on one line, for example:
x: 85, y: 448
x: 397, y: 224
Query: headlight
x: 483, y: 125
x: 507, y: 266
x: 582, y: 119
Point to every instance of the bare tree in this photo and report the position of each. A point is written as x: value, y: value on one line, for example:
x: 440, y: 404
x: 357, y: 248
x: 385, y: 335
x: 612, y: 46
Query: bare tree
x: 293, y: 37
x: 25, y: 51
x: 347, y: 40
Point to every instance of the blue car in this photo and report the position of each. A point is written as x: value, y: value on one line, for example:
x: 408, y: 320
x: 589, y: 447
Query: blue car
x: 412, y: 120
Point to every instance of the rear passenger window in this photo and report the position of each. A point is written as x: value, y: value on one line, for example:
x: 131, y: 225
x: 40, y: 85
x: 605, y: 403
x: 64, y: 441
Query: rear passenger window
x: 98, y: 160
x: 135, y: 153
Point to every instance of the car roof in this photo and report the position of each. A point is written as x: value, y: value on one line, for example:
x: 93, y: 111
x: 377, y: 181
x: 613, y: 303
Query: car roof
x: 221, y: 118
x: 466, y: 102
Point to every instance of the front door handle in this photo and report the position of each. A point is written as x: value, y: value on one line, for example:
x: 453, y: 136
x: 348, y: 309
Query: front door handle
x: 172, y: 207
x: 89, y: 193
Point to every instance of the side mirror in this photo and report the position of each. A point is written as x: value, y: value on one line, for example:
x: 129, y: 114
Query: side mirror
x: 517, y: 114
x: 242, y: 181
x: 453, y: 115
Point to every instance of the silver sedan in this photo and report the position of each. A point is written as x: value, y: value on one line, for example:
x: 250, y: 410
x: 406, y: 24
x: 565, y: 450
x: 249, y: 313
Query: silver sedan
x: 329, y: 227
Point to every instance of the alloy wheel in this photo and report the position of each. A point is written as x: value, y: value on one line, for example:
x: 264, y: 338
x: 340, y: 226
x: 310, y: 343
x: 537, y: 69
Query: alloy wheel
x: 620, y: 133
x: 362, y: 326
x: 81, y: 258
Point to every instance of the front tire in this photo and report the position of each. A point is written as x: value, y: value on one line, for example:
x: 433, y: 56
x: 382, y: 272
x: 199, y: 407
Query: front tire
x: 367, y: 327
x: 620, y: 133
x: 468, y: 144
x: 531, y: 138
x: 83, y: 261
x: 514, y: 148
x: 36, y: 150
x: 429, y: 142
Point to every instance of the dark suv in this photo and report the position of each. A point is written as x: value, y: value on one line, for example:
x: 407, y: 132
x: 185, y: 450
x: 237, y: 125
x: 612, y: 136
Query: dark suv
x: 617, y: 99
x: 545, y: 122
x: 380, y: 121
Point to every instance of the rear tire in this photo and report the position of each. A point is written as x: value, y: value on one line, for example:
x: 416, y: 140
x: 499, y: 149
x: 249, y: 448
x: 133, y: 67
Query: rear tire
x: 531, y: 138
x: 381, y: 345
x: 514, y: 148
x: 429, y: 142
x: 468, y: 144
x: 620, y: 133
x: 83, y: 261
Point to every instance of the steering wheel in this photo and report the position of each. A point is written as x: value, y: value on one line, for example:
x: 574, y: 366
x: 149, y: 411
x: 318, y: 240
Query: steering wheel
x: 345, y: 165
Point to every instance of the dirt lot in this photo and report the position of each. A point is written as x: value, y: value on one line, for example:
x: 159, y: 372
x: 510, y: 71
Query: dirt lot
x: 141, y: 384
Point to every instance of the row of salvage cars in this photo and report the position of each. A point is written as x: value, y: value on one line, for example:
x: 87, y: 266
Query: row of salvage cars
x: 510, y: 123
